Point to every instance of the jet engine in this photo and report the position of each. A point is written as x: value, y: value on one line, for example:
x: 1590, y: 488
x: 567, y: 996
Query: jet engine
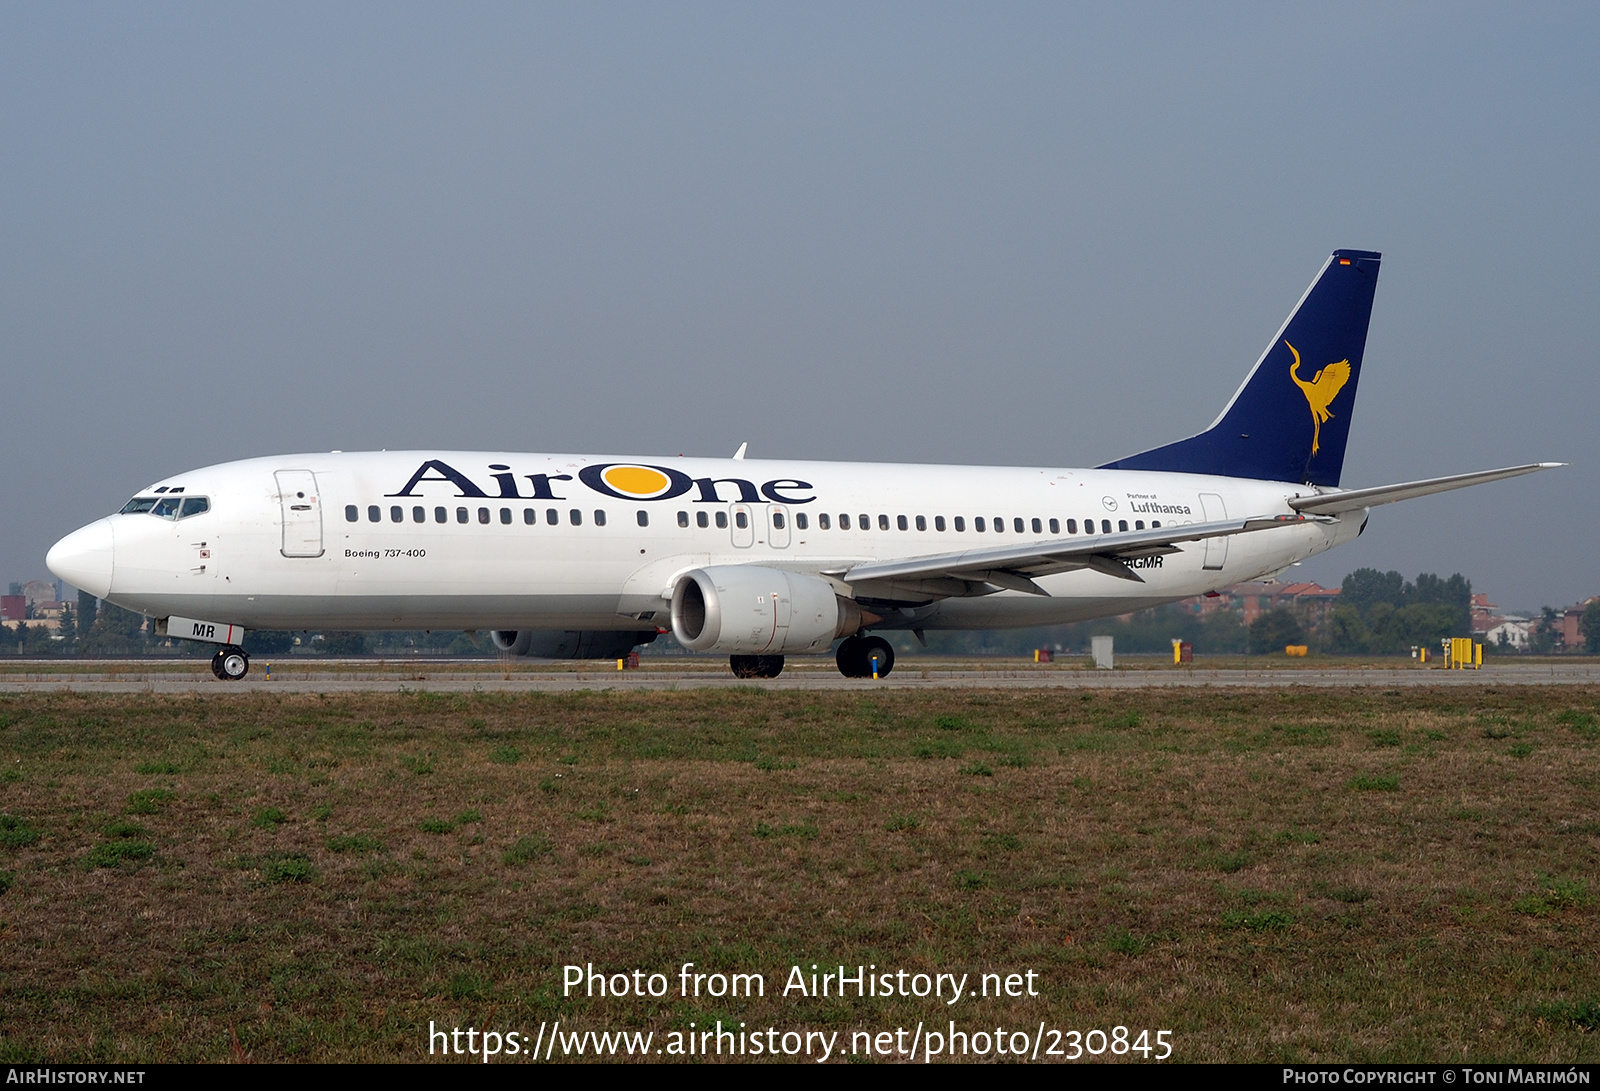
x: 750, y: 610
x: 556, y: 644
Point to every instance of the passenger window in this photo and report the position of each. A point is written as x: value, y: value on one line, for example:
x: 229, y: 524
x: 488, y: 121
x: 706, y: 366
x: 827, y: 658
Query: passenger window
x: 483, y: 515
x: 1037, y: 528
x: 999, y: 525
x: 1155, y: 525
x: 777, y: 519
x: 865, y: 521
x: 351, y: 512
x: 1055, y: 526
x: 922, y: 522
x: 1105, y: 526
x: 844, y: 520
x: 461, y: 515
x: 374, y: 514
x: 800, y: 520
x: 576, y: 517
x: 140, y: 504
x: 529, y: 516
x: 552, y: 516
x: 741, y: 520
x: 440, y: 515
x: 938, y: 523
x: 900, y: 521
x: 1138, y: 524
x: 883, y: 522
x: 195, y: 505
x: 961, y: 524
x: 683, y: 518
x: 977, y: 524
x: 419, y: 515
x: 505, y: 516
x: 644, y: 517
x: 397, y: 514
x: 1017, y: 525
x: 1072, y: 526
x: 823, y: 521
x: 599, y: 517
x: 700, y: 519
x: 722, y: 520
x: 1122, y: 525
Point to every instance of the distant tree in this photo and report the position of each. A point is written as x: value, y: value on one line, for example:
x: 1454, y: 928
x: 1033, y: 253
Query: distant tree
x: 1346, y: 632
x: 1589, y: 626
x: 1273, y: 631
x: 344, y: 643
x: 1379, y: 613
x: 116, y: 630
x: 1542, y: 634
x: 86, y: 614
x: 1367, y: 587
x: 69, y: 626
x: 268, y: 642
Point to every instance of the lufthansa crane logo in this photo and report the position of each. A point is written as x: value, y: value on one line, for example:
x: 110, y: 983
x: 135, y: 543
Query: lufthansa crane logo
x: 1320, y: 391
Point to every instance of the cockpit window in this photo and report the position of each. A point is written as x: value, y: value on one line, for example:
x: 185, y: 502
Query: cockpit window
x: 167, y: 507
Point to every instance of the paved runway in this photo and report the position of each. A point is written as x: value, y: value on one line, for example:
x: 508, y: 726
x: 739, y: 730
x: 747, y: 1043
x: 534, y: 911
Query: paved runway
x: 450, y: 678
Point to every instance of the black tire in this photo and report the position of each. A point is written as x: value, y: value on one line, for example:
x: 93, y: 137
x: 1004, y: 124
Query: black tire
x: 230, y: 664
x: 851, y: 658
x: 877, y: 656
x: 756, y: 666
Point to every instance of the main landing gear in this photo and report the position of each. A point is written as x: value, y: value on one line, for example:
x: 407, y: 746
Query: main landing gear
x: 858, y: 657
x: 230, y: 664
x: 756, y: 666
x: 865, y: 657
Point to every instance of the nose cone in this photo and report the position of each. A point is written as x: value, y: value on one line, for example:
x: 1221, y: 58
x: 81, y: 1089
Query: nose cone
x: 83, y: 558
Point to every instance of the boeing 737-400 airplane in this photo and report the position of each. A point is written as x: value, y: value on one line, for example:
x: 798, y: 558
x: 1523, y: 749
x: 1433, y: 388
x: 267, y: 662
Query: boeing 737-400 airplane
x: 581, y: 556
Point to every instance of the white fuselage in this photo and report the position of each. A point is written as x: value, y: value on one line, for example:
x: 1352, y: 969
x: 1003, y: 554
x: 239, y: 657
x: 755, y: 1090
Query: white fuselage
x: 542, y: 546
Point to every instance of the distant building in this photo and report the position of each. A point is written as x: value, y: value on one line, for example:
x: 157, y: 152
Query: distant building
x: 1568, y: 633
x: 13, y: 607
x: 1485, y: 614
x: 1309, y: 601
x: 1509, y: 633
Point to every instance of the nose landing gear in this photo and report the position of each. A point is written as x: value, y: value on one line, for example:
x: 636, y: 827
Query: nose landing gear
x: 230, y: 664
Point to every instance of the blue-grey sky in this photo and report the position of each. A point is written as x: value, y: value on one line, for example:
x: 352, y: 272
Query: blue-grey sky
x: 1014, y: 234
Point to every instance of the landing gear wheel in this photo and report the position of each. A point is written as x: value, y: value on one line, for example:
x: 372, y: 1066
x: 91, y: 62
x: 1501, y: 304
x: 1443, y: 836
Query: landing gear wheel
x: 756, y: 666
x: 230, y: 664
x: 862, y: 657
x: 879, y: 657
x: 852, y: 658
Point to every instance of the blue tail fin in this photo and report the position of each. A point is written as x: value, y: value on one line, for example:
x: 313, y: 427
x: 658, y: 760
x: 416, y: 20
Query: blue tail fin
x: 1290, y: 419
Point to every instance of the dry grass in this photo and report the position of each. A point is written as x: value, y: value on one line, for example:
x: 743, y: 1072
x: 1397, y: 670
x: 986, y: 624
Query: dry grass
x: 1329, y: 875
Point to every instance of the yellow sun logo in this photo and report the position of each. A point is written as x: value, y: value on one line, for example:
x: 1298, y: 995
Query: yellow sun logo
x: 639, y: 481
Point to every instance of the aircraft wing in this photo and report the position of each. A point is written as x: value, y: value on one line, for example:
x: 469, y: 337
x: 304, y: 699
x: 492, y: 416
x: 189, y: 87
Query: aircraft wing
x: 1014, y: 567
x: 1332, y: 503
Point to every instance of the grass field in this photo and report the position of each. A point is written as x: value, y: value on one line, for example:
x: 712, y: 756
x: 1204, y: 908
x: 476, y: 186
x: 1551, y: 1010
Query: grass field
x: 1338, y: 875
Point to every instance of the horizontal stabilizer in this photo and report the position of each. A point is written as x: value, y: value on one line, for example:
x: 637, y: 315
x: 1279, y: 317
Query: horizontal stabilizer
x: 1333, y: 503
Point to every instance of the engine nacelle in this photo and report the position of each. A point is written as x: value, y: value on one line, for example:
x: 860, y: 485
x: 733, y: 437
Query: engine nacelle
x: 750, y: 610
x: 557, y: 644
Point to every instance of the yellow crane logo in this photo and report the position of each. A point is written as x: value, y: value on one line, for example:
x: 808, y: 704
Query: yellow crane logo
x: 1320, y: 391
